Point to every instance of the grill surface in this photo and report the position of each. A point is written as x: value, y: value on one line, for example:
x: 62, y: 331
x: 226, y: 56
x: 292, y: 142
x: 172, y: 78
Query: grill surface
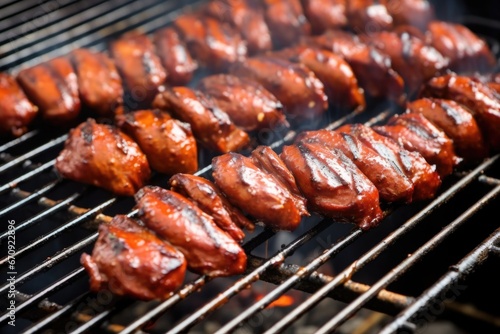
x: 421, y: 254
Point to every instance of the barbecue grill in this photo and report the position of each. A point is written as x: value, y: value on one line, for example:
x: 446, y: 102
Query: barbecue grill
x: 426, y: 262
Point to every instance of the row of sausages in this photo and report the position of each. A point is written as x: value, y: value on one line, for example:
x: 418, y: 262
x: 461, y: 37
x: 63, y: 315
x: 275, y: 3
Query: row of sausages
x: 342, y: 66
x: 344, y: 174
x: 294, y: 84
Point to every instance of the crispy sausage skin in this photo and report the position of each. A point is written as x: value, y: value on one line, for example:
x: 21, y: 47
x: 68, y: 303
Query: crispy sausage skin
x: 128, y: 259
x: 325, y: 14
x: 16, y: 111
x: 210, y: 200
x: 417, y: 13
x: 174, y: 56
x: 416, y: 133
x: 99, y: 82
x: 53, y: 87
x: 207, y: 248
x: 214, y: 44
x: 426, y: 180
x: 249, y: 105
x: 140, y: 68
x: 210, y: 125
x: 341, y: 84
x: 466, y: 51
x: 168, y: 143
x: 294, y: 85
x: 367, y: 16
x: 247, y: 17
x: 457, y: 122
x: 256, y: 192
x: 477, y: 96
x: 269, y: 161
x: 286, y: 21
x: 105, y: 157
x: 414, y: 60
x: 392, y: 184
x: 372, y: 68
x: 333, y: 185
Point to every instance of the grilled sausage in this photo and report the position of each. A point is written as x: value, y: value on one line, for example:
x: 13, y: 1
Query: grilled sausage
x: 425, y: 179
x: 415, y: 61
x: 247, y: 17
x: 210, y: 125
x: 105, y: 157
x: 458, y: 124
x: 207, y: 249
x: 168, y: 144
x: 256, y: 192
x: 392, y: 184
x: 466, y: 51
x: 130, y: 260
x: 341, y: 85
x: 286, y: 21
x: 371, y: 67
x: 325, y: 14
x: 333, y: 185
x: 174, y: 56
x: 368, y: 16
x: 210, y: 200
x: 16, y: 111
x: 214, y: 44
x: 53, y: 87
x: 294, y: 85
x: 477, y: 96
x: 249, y: 105
x: 268, y: 161
x: 99, y: 82
x: 140, y: 68
x: 416, y: 133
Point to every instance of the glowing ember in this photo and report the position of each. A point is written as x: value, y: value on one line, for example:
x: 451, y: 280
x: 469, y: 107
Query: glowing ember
x: 282, y: 301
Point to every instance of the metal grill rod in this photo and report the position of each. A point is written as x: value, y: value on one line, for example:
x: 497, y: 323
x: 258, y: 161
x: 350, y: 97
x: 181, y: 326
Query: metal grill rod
x: 375, y: 251
x: 9, y: 186
x: 461, y: 270
x: 19, y: 140
x: 53, y: 260
x: 35, y: 152
x: 395, y: 273
x: 89, y: 324
x: 14, y: 8
x: 382, y: 116
x: 39, y: 296
x: 71, y: 7
x: 21, y: 48
x: 317, y: 279
x: 238, y: 285
x: 39, y: 193
x: 54, y: 233
x: 187, y: 290
x: 289, y: 283
x: 77, y: 273
x: 37, y: 327
x: 163, y: 11
x: 42, y: 215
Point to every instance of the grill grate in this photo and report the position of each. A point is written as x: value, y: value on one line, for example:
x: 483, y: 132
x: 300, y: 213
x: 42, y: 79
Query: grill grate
x: 56, y: 219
